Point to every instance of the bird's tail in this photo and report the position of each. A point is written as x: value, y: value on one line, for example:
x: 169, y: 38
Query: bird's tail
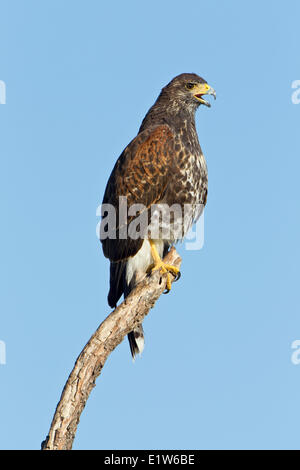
x: 136, y: 341
x: 135, y: 337
x: 120, y: 285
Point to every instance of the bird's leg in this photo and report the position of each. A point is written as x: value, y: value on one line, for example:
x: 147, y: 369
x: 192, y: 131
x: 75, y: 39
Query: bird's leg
x: 163, y: 267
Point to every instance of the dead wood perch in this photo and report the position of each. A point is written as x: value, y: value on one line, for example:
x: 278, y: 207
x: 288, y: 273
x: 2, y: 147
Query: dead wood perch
x: 91, y: 360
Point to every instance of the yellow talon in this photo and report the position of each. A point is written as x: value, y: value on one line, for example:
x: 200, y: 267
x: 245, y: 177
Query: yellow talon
x: 163, y: 267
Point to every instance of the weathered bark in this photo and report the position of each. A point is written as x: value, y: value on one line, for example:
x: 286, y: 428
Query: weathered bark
x: 92, y: 358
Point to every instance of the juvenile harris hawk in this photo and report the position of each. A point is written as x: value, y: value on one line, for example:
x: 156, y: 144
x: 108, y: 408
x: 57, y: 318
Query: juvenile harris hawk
x: 163, y: 164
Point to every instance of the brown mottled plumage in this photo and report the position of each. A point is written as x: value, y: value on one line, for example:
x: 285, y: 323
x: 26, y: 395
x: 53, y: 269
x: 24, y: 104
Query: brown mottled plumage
x: 163, y: 164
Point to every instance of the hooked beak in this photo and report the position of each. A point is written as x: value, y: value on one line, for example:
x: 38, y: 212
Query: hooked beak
x: 204, y: 89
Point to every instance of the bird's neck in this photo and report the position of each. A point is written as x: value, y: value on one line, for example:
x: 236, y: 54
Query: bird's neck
x: 171, y: 114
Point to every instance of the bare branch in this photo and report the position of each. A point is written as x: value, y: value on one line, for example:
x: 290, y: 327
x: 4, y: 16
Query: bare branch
x: 92, y: 358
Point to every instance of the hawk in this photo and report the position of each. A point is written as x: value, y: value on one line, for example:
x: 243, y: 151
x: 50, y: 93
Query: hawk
x: 162, y: 166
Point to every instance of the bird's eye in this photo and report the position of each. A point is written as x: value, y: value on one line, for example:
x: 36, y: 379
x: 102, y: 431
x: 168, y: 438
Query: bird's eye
x: 190, y: 86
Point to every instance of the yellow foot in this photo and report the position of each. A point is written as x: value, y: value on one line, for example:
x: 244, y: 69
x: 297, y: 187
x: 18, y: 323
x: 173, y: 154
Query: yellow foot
x: 166, y: 268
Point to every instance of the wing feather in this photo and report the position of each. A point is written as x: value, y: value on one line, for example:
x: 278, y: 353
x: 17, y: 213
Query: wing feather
x: 140, y: 174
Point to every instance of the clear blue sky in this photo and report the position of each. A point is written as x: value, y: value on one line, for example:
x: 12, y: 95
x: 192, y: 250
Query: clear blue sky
x: 216, y: 372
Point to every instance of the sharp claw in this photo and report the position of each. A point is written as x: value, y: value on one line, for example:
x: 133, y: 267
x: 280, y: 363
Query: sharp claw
x: 166, y: 291
x: 178, y: 276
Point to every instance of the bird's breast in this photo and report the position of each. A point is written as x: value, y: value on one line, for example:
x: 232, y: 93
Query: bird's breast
x: 186, y: 191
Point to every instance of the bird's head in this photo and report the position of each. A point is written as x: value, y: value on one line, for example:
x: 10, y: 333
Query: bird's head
x: 188, y: 89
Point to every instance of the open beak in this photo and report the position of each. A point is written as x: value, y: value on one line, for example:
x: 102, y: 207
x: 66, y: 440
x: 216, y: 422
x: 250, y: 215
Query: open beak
x: 204, y: 89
